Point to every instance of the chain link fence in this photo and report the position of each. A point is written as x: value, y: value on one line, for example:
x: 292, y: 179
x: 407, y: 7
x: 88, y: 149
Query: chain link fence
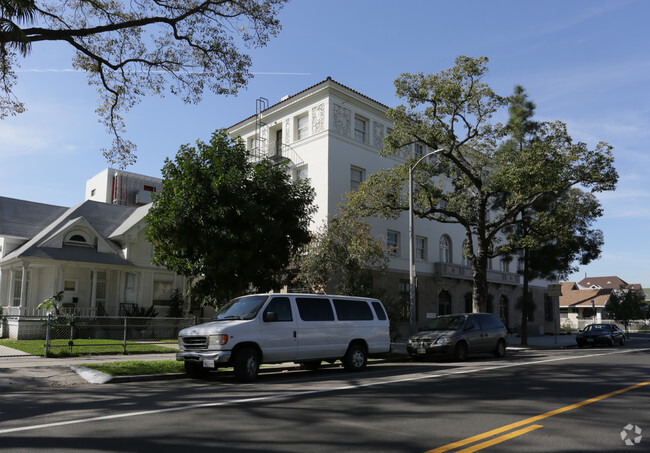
x: 76, y: 335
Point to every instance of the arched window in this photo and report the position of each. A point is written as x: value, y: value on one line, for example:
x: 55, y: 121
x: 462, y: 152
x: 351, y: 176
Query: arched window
x: 78, y: 237
x: 445, y: 249
x: 444, y: 303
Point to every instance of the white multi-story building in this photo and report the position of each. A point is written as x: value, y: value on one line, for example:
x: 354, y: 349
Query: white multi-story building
x: 333, y: 135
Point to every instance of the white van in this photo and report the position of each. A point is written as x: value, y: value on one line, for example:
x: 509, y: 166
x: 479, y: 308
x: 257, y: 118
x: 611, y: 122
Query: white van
x: 275, y: 328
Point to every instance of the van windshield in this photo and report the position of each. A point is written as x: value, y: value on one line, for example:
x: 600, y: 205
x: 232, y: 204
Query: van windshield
x: 245, y: 307
x: 445, y: 323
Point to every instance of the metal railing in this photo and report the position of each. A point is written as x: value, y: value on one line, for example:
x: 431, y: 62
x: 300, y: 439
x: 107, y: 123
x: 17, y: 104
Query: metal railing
x: 60, y: 334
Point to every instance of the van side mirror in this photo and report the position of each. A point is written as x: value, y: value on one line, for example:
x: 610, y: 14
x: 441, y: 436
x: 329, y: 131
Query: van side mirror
x: 270, y: 316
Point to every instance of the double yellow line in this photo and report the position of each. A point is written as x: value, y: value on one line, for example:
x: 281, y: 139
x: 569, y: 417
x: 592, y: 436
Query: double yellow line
x: 526, y: 429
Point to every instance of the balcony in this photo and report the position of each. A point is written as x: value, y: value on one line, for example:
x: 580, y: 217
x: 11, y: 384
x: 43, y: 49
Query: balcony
x: 450, y: 270
x: 279, y: 153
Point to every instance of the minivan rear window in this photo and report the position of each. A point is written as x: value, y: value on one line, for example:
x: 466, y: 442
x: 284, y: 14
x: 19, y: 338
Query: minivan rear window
x: 315, y: 309
x: 353, y: 310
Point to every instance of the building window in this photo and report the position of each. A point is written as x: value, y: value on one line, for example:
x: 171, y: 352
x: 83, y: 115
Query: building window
x: 18, y: 280
x: 302, y: 127
x: 301, y: 172
x: 357, y: 176
x: 505, y: 266
x: 92, y: 192
x: 392, y: 241
x: 445, y: 249
x: 360, y: 129
x: 70, y: 285
x: 149, y: 188
x: 421, y: 248
x: 419, y: 149
x: 466, y: 260
x: 444, y: 303
x: 253, y: 143
x: 162, y: 290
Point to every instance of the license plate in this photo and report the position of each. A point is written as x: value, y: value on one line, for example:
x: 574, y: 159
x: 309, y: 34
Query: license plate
x: 422, y: 351
x: 208, y: 364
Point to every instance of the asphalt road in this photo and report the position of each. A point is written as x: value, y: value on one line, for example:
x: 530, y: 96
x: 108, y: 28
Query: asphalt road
x: 533, y: 401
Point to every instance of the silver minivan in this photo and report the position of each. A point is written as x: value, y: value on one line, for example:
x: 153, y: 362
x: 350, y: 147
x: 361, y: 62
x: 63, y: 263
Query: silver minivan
x: 275, y: 328
x: 459, y: 335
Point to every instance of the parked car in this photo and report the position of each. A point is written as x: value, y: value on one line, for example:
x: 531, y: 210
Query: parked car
x: 274, y: 328
x: 459, y: 335
x: 609, y: 334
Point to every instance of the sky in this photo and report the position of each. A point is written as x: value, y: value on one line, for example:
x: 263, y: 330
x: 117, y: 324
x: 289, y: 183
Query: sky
x: 583, y: 62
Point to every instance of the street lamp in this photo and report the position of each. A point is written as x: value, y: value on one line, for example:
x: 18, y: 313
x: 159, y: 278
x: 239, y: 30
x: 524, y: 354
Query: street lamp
x: 412, y: 239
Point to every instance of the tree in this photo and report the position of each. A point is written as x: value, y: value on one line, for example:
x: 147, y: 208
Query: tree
x: 136, y: 49
x: 553, y: 232
x: 342, y: 257
x: 626, y: 305
x: 471, y: 184
x: 225, y: 222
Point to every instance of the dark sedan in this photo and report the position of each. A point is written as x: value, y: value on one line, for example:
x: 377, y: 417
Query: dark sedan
x: 593, y: 334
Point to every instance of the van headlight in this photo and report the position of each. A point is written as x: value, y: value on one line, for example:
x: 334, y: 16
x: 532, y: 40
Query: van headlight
x: 217, y: 340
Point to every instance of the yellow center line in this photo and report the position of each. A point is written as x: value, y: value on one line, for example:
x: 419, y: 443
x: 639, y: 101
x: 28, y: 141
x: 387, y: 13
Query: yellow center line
x: 498, y: 440
x: 536, y: 418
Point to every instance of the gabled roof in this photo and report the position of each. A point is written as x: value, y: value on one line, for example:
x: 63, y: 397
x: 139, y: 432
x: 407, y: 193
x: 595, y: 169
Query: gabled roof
x: 611, y: 282
x: 572, y: 297
x: 100, y: 218
x: 24, y: 219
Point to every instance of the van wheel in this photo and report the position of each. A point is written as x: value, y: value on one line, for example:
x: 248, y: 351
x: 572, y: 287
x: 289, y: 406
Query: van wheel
x: 460, y: 353
x: 356, y: 358
x: 196, y: 370
x: 246, y: 364
x: 500, y: 350
x: 312, y: 365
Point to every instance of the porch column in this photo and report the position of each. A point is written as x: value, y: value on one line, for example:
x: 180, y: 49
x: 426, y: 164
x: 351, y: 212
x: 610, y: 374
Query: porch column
x: 23, y: 286
x: 1, y: 288
x: 61, y: 279
x: 93, y: 296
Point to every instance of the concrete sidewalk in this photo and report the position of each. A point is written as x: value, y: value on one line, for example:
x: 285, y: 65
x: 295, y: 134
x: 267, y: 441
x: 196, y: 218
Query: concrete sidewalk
x: 21, y: 373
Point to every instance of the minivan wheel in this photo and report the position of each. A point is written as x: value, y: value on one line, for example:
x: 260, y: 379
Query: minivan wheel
x: 500, y: 350
x: 356, y: 358
x: 460, y: 352
x: 196, y: 370
x: 246, y: 364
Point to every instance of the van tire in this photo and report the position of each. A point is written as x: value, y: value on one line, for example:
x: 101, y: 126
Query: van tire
x: 355, y: 358
x: 195, y: 370
x: 500, y: 350
x: 246, y: 364
x: 460, y: 352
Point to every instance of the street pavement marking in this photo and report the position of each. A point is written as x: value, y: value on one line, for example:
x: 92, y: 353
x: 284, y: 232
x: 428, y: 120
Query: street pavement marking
x: 536, y: 418
x: 500, y: 439
x: 305, y: 393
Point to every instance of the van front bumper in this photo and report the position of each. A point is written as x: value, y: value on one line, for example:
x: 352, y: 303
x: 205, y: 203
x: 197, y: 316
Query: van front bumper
x: 200, y: 356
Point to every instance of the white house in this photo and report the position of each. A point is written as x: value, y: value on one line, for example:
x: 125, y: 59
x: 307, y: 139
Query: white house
x: 332, y: 135
x: 95, y: 252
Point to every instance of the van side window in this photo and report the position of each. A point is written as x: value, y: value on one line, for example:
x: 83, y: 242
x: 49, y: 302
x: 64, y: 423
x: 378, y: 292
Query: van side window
x: 472, y: 324
x: 379, y: 309
x: 281, y: 307
x: 353, y: 310
x: 315, y: 309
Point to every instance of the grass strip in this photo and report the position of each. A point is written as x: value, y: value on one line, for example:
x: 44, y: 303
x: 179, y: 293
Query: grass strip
x: 138, y: 367
x: 61, y: 348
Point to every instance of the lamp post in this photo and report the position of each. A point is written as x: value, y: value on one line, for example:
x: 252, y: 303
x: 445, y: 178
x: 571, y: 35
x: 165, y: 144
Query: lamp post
x: 412, y: 240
